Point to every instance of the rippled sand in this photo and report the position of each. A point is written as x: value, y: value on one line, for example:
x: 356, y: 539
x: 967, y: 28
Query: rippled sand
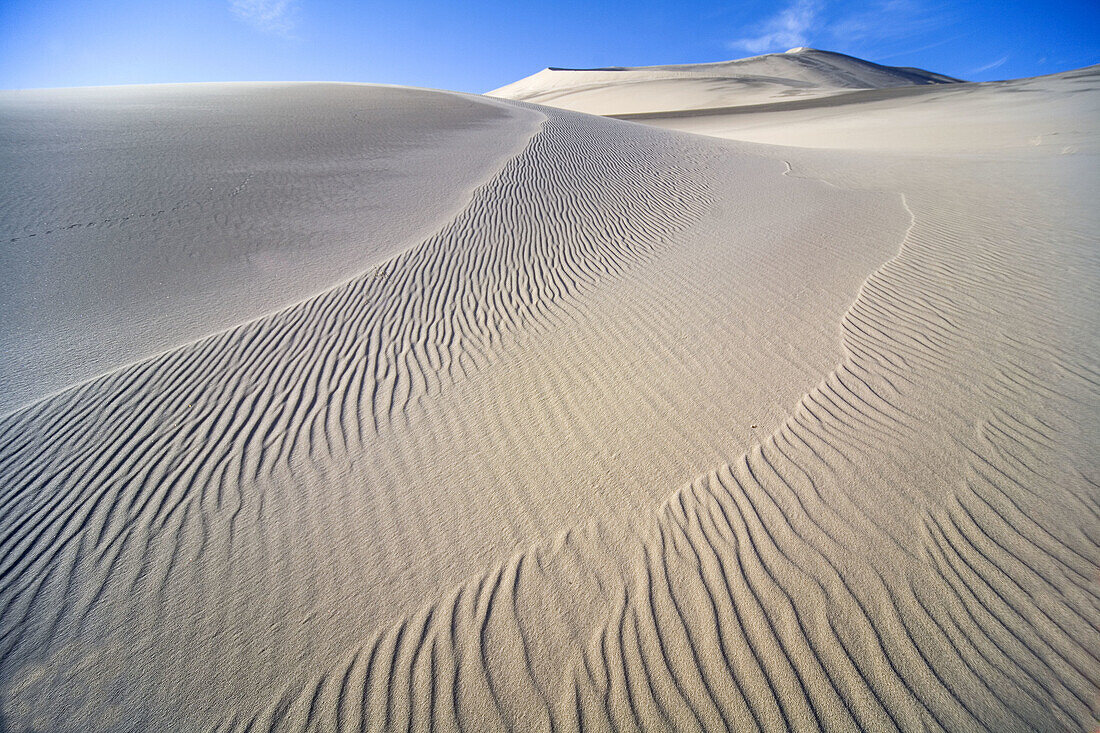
x: 340, y: 407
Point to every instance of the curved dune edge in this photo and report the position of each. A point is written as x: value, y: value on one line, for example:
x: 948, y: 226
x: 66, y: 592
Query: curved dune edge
x: 781, y: 590
x: 809, y: 582
x: 525, y: 287
x: 94, y: 480
x: 801, y: 72
x: 263, y: 223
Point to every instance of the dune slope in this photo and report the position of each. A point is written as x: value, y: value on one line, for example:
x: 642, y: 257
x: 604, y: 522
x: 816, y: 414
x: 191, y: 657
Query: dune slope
x: 801, y: 73
x: 656, y: 432
x: 181, y: 210
x: 1043, y: 115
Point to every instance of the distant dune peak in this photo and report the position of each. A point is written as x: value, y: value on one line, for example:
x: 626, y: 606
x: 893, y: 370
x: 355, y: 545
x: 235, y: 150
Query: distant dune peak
x: 801, y: 72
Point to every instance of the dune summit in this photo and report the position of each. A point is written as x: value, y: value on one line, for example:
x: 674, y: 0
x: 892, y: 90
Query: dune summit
x: 773, y: 406
x: 801, y: 73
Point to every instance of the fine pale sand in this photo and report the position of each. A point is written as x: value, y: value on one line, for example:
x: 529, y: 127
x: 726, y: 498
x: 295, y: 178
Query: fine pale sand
x: 801, y: 74
x: 415, y: 410
x: 183, y: 210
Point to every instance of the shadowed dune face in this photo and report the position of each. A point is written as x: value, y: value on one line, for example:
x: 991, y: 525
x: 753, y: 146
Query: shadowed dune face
x: 656, y: 432
x: 137, y: 219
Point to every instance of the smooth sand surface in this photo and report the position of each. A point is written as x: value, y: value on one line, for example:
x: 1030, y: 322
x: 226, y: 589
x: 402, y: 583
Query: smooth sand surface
x: 653, y: 431
x: 1049, y: 115
x: 181, y: 210
x: 798, y: 74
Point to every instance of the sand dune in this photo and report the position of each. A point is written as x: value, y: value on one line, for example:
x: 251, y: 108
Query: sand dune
x: 801, y: 73
x: 652, y: 431
x: 152, y: 205
x: 1043, y: 115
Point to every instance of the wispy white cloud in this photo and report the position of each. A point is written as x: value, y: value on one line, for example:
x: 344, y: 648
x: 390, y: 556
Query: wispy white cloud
x: 909, y: 51
x: 787, y: 28
x: 868, y: 28
x: 889, y: 21
x: 990, y: 66
x: 277, y: 17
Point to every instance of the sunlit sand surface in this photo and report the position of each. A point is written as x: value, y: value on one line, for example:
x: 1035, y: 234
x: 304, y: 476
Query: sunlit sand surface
x: 772, y: 405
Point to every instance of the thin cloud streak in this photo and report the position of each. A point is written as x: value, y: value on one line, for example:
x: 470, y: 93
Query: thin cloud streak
x: 275, y: 17
x: 863, y: 31
x: 988, y: 67
x: 882, y: 57
x: 787, y: 28
x: 888, y: 20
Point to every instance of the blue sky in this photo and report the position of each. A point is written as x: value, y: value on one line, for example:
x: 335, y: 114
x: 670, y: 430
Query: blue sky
x: 478, y: 45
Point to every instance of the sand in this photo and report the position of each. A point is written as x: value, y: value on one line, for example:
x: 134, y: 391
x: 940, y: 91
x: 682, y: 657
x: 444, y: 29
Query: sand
x: 800, y: 74
x: 612, y: 427
x: 185, y: 209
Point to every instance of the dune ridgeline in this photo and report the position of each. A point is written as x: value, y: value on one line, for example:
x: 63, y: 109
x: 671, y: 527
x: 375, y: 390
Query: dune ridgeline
x: 756, y: 395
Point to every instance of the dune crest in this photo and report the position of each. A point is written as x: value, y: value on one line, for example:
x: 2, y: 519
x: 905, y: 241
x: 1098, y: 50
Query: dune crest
x: 150, y: 205
x: 655, y: 431
x: 801, y: 73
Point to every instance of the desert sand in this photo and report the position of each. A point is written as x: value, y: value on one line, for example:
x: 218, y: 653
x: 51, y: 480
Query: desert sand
x: 770, y: 403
